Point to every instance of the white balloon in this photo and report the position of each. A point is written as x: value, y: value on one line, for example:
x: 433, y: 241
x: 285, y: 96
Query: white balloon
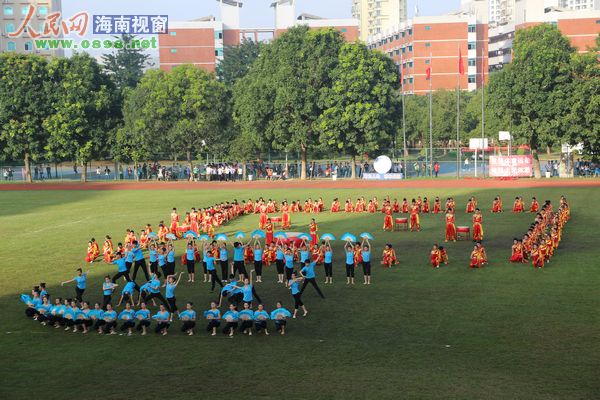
x: 382, y: 164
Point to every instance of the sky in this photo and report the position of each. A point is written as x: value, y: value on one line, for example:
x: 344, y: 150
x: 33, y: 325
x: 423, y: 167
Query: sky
x: 255, y: 13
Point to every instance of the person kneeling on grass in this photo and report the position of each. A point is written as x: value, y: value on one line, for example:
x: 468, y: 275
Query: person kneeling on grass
x: 189, y: 319
x: 163, y: 318
x: 260, y: 319
x: 82, y: 318
x: 127, y: 316
x: 247, y: 317
x: 96, y: 315
x: 280, y: 316
x: 110, y: 321
x: 213, y: 316
x: 231, y: 320
x: 143, y: 317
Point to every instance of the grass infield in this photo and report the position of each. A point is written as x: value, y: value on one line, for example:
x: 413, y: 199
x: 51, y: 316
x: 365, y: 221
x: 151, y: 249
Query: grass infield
x: 506, y: 331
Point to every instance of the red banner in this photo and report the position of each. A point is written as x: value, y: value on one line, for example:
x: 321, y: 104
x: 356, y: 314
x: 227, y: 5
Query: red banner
x: 511, y: 166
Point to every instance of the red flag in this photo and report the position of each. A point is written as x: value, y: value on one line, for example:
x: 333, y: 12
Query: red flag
x: 461, y: 66
x: 428, y: 73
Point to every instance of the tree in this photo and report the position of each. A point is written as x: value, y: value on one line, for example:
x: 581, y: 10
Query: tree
x: 361, y: 103
x: 126, y: 65
x: 533, y: 89
x: 23, y: 107
x: 416, y: 119
x: 237, y: 61
x: 282, y: 95
x: 83, y: 109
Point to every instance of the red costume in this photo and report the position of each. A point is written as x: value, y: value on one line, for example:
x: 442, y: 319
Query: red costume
x: 313, y: 228
x: 388, y: 221
x: 535, y: 206
x: 437, y: 207
x: 335, y: 206
x: 269, y: 233
x: 389, y: 258
x: 286, y: 222
x: 107, y: 251
x: 477, y: 227
x: 450, y: 228
x: 414, y: 218
x: 435, y: 258
x: 174, y: 222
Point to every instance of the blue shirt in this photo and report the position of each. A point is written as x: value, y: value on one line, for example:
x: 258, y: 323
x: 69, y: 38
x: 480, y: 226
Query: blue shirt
x: 109, y: 315
x: 233, y: 315
x: 248, y: 313
x: 142, y: 314
x: 328, y: 257
x: 171, y: 256
x: 366, y: 256
x: 96, y: 314
x: 349, y: 257
x: 161, y: 315
x: 82, y: 314
x: 280, y: 312
x: 139, y: 255
x: 279, y: 255
x: 210, y: 263
x: 258, y: 254
x: 304, y: 256
x: 170, y: 290
x: 153, y: 255
x: 261, y: 315
x: 59, y: 310
x: 309, y: 271
x: 162, y: 259
x: 120, y: 262
x: 154, y: 286
x: 126, y: 315
x: 238, y: 253
x: 129, y: 256
x: 223, y: 254
x: 145, y: 286
x: 189, y: 254
x: 107, y: 288
x: 295, y: 286
x: 80, y: 281
x: 128, y: 288
x: 289, y: 261
x: 247, y: 291
x: 216, y: 314
x: 190, y: 314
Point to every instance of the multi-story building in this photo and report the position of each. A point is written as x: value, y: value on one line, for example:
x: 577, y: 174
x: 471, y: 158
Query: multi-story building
x: 377, y: 16
x: 201, y: 42
x: 579, y: 4
x: 435, y: 47
x: 12, y: 15
x: 501, y: 11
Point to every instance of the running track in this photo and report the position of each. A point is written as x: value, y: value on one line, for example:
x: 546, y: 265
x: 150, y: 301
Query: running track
x: 319, y: 184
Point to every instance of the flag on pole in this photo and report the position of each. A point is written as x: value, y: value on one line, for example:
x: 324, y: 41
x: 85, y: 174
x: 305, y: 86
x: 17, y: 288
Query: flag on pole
x: 461, y: 66
x: 428, y: 73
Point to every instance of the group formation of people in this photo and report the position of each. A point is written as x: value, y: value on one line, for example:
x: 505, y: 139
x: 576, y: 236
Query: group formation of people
x: 543, y: 236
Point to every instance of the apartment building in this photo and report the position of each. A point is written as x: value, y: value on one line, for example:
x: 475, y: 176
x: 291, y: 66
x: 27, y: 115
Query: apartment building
x: 377, y: 16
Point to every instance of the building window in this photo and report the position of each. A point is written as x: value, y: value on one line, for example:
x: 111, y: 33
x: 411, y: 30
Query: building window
x: 410, y: 80
x: 402, y: 33
x: 426, y: 62
x: 43, y: 10
x: 427, y: 44
x: 471, y: 78
x: 598, y: 21
x: 472, y: 46
x: 410, y: 64
x: 410, y: 48
x: 403, y: 50
x: 173, y: 33
x: 471, y: 62
x: 471, y: 28
x: 10, y: 27
x: 8, y: 10
x: 344, y: 30
x: 397, y: 36
x: 218, y: 35
x: 219, y: 53
x: 410, y: 31
x: 397, y: 51
x: 25, y: 10
x: 28, y: 46
x: 11, y: 46
x: 427, y: 27
x: 173, y: 50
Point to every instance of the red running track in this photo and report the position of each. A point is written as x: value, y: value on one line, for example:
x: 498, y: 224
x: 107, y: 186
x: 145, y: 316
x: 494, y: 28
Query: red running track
x: 317, y: 184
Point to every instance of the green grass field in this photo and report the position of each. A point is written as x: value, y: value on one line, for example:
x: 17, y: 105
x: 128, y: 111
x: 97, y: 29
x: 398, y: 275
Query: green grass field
x: 506, y: 331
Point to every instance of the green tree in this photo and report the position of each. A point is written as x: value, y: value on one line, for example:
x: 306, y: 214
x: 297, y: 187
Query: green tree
x: 126, y: 65
x: 417, y: 120
x: 533, y: 89
x: 83, y: 110
x: 282, y: 95
x: 237, y: 61
x: 361, y: 104
x: 23, y: 107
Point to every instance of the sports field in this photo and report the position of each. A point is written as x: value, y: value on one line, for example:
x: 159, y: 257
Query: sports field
x: 502, y: 332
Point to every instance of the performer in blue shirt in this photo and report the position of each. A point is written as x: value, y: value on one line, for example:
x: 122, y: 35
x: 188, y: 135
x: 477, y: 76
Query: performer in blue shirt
x: 82, y: 318
x: 260, y: 319
x: 238, y: 260
x: 247, y: 318
x: 213, y: 316
x: 128, y: 318
x: 189, y: 319
x: 224, y: 261
x: 127, y: 293
x: 308, y: 273
x: 81, y: 279
x: 279, y: 260
x: 153, y: 258
x: 328, y: 263
x: 366, y: 263
x: 190, y: 261
x: 289, y: 264
x: 258, y: 260
x: 349, y: 248
x: 294, y: 285
x: 162, y: 261
x: 140, y: 261
x: 209, y: 260
x: 163, y: 318
x: 123, y: 269
x: 154, y: 290
x: 143, y: 317
x: 231, y: 320
x: 96, y: 317
x: 170, y: 260
x: 110, y: 320
x: 108, y: 288
x: 280, y: 315
x: 170, y: 291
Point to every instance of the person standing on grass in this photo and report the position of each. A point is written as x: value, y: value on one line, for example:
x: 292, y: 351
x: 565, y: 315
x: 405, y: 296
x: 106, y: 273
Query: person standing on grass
x: 170, y: 291
x: 294, y: 285
x: 231, y: 320
x: 289, y: 264
x: 258, y: 260
x: 308, y: 273
x: 349, y: 248
x: 162, y: 262
x: 366, y: 261
x: 123, y: 269
x: 213, y: 316
x: 143, y: 317
x: 328, y: 263
x: 128, y: 318
x: 108, y: 288
x: 224, y: 262
x: 189, y: 319
x: 248, y: 291
x: 280, y: 316
x: 153, y: 258
x: 170, y: 261
x: 81, y: 279
x: 140, y: 261
x: 190, y: 262
x: 163, y: 319
x: 209, y: 259
x: 154, y: 289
